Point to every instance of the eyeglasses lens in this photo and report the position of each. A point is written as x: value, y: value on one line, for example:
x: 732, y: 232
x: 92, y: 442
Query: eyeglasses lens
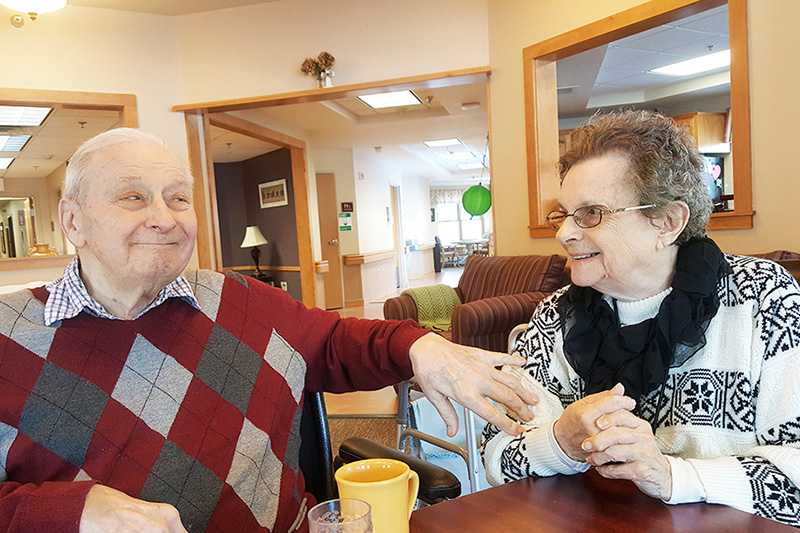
x: 588, y: 216
x: 555, y: 219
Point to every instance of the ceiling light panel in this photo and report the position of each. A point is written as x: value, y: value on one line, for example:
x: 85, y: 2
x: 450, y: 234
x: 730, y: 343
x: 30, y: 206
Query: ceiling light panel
x: 697, y: 65
x: 470, y: 166
x: 393, y: 99
x: 13, y: 143
x: 442, y: 142
x: 14, y: 115
x: 5, y: 162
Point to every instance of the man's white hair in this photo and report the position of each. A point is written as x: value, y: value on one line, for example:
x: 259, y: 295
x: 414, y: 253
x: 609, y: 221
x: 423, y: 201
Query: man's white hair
x: 80, y: 171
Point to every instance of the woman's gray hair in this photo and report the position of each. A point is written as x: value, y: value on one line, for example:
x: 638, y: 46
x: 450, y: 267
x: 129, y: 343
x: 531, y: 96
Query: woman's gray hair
x: 664, y: 163
x: 80, y: 171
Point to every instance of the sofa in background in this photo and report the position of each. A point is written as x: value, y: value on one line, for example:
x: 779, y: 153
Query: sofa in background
x: 496, y: 294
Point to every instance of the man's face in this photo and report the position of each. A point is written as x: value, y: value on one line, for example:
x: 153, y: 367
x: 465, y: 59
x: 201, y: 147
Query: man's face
x: 137, y: 225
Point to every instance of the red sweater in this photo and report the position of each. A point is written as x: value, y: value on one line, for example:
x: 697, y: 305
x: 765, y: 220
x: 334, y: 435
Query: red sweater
x: 197, y: 409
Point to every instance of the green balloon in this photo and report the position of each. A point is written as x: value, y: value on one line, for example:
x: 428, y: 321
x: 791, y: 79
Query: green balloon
x: 477, y: 200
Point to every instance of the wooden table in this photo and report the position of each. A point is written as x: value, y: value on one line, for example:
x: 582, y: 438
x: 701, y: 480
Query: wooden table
x: 583, y: 502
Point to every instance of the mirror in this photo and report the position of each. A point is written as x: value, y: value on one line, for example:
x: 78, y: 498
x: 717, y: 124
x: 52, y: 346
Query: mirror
x: 30, y: 187
x: 597, y: 56
x: 624, y: 74
x: 17, y: 227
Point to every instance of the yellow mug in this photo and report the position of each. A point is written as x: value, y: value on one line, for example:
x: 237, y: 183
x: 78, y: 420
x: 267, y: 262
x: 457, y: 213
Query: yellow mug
x: 388, y: 485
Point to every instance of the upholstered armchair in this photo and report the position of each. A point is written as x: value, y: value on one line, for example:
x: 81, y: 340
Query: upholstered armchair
x: 496, y: 294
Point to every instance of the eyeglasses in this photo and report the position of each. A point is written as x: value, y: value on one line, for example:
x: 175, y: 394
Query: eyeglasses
x: 587, y: 216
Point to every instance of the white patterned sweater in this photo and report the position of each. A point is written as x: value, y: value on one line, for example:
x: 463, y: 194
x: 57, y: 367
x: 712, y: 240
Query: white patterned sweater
x: 732, y: 411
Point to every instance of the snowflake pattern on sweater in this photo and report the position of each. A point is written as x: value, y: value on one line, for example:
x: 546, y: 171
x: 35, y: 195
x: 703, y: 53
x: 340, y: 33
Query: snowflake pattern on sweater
x: 732, y: 410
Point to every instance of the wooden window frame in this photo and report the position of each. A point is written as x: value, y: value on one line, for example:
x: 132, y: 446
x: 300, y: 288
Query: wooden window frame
x: 541, y: 101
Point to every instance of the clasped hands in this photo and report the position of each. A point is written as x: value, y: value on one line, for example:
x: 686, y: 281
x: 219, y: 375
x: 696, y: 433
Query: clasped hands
x: 601, y: 430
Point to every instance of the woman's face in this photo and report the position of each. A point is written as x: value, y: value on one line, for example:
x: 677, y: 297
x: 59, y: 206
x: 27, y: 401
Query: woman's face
x: 621, y: 256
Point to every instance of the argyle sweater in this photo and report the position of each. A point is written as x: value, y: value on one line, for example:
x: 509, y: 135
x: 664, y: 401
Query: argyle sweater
x: 197, y: 409
x: 732, y: 411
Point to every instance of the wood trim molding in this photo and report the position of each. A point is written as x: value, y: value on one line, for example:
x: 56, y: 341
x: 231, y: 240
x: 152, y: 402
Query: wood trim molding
x: 262, y: 267
x: 321, y: 267
x: 79, y: 99
x: 31, y: 263
x: 540, y: 100
x: 244, y: 127
x: 424, y: 81
x: 369, y: 257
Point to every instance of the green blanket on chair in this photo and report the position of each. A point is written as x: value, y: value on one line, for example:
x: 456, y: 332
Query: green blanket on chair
x: 435, y: 305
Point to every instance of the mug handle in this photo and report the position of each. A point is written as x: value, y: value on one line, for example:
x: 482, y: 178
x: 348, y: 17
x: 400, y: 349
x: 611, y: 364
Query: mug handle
x: 413, y: 490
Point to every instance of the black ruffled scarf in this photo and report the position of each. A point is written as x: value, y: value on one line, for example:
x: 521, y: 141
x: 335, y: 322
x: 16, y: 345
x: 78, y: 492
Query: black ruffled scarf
x: 639, y: 355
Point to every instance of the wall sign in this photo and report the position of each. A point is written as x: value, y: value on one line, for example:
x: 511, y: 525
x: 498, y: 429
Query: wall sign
x: 345, y: 222
x: 347, y: 207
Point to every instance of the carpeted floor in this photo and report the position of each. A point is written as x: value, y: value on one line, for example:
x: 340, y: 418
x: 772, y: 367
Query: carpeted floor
x: 379, y: 429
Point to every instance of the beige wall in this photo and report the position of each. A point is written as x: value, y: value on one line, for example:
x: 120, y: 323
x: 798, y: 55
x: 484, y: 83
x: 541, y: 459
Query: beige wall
x: 774, y: 77
x: 258, y: 49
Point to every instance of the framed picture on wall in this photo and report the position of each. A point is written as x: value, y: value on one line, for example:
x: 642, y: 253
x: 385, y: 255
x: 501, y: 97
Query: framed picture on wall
x: 273, y: 193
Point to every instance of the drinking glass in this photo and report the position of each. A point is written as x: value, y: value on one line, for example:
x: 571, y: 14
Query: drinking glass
x: 346, y: 515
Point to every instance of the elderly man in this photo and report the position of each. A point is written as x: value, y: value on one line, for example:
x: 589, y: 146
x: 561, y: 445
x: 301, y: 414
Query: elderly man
x: 138, y: 396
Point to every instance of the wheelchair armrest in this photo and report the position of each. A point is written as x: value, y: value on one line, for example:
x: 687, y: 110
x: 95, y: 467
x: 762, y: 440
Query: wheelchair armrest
x: 435, y: 483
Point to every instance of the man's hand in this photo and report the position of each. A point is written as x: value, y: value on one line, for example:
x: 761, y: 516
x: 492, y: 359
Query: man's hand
x: 625, y: 448
x: 109, y: 510
x: 579, y: 421
x: 467, y: 375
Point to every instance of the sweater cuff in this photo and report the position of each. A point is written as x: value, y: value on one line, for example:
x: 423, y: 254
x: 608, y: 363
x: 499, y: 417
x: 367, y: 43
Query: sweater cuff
x: 724, y: 479
x: 545, y: 455
x: 686, y: 484
x: 54, y: 506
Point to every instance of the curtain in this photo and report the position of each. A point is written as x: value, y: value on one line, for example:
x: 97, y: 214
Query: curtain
x: 446, y: 196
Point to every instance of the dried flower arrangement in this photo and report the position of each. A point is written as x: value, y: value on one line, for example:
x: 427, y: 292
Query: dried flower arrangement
x: 320, y: 68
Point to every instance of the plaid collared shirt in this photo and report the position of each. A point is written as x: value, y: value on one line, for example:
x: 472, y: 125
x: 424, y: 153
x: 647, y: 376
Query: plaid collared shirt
x: 68, y: 297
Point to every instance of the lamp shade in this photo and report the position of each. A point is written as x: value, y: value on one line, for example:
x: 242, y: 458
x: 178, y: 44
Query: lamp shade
x: 253, y: 237
x: 477, y: 200
x: 38, y: 7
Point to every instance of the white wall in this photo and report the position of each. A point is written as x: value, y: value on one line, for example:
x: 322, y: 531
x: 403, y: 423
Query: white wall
x: 417, y: 223
x: 374, y: 178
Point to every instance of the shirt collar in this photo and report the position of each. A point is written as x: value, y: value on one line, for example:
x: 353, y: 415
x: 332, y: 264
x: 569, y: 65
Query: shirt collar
x: 68, y: 297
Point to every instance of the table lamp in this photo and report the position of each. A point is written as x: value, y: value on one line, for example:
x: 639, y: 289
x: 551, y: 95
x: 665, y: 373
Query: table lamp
x: 253, y: 238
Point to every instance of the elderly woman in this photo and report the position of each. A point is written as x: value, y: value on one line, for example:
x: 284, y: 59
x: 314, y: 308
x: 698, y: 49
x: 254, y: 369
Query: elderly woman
x: 666, y: 362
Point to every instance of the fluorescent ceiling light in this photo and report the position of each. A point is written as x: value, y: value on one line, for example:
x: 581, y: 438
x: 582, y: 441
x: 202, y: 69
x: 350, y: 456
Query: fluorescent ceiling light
x: 394, y: 99
x: 5, y: 161
x: 17, y: 115
x: 458, y: 155
x: 442, y: 142
x: 470, y: 166
x: 37, y: 7
x: 13, y: 143
x: 695, y: 66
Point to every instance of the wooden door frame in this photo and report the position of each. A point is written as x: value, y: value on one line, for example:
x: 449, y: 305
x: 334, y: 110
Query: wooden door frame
x: 209, y: 249
x: 541, y: 107
x: 200, y: 116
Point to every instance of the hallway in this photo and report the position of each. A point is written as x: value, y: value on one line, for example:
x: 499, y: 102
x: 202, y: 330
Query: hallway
x: 383, y: 402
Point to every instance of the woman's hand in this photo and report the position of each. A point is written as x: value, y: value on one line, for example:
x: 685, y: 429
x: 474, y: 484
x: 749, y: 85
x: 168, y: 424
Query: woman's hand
x: 625, y: 448
x: 579, y: 420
